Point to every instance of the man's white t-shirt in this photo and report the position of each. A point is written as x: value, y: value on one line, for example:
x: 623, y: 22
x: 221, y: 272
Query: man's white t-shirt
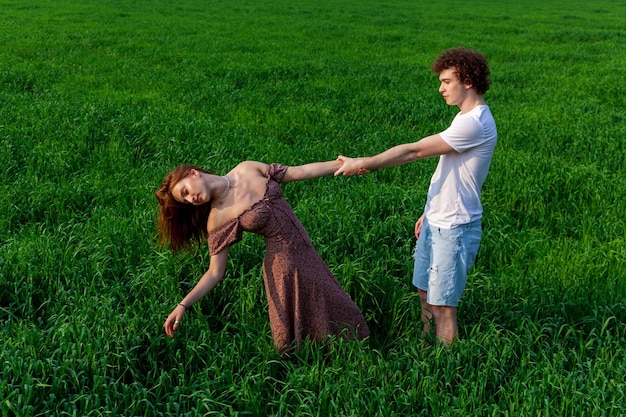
x: 454, y: 193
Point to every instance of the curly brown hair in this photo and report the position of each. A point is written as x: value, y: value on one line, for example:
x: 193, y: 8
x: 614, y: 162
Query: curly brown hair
x: 469, y: 65
x: 180, y: 224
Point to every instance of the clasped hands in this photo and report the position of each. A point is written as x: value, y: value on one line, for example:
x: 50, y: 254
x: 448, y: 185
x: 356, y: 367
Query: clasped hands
x: 350, y: 166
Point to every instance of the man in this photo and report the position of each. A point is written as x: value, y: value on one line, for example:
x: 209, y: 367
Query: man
x: 449, y: 231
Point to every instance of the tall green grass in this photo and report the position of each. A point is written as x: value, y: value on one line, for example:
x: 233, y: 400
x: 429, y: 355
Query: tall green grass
x: 100, y: 99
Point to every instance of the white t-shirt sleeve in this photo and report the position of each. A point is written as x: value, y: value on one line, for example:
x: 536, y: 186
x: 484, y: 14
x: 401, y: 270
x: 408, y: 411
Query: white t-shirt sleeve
x: 462, y: 133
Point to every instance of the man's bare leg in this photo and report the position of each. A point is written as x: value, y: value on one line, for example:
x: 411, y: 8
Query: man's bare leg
x: 427, y: 315
x: 445, y: 323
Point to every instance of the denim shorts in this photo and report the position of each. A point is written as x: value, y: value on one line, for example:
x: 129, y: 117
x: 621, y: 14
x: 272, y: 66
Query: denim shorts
x: 442, y: 259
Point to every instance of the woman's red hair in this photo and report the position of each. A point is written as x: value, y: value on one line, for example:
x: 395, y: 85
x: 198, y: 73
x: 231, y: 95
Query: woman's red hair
x: 180, y: 224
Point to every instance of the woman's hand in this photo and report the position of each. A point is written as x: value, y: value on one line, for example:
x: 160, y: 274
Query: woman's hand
x: 351, y: 166
x: 173, y: 320
x: 209, y: 280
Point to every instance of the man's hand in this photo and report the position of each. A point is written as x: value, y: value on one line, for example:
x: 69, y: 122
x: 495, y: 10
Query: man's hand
x: 418, y: 226
x: 350, y: 166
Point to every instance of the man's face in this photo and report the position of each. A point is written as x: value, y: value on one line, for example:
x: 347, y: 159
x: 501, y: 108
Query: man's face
x: 453, y: 90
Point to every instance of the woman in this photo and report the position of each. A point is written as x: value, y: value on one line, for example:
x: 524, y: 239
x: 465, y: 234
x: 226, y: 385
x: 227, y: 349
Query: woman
x: 304, y: 299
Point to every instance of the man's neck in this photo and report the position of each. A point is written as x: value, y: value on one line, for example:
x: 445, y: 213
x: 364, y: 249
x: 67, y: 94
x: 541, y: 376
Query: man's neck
x: 472, y: 101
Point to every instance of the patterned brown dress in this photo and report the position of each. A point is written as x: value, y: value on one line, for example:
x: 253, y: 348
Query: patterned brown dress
x: 305, y: 300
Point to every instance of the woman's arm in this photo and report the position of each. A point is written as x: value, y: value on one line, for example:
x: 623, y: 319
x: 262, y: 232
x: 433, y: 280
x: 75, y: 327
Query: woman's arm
x: 310, y: 171
x: 294, y: 173
x: 209, y: 280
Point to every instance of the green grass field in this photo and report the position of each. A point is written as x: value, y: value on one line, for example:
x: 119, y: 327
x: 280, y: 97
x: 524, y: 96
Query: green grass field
x: 99, y: 99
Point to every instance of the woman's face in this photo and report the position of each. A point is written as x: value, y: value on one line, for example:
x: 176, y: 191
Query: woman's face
x: 191, y: 189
